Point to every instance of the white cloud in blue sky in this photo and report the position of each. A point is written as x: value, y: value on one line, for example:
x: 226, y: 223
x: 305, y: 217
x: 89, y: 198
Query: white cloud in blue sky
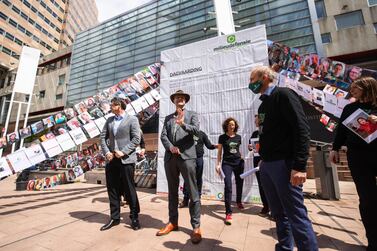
x: 110, y: 8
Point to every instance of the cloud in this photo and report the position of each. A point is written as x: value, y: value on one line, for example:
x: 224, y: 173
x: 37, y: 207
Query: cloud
x: 111, y: 8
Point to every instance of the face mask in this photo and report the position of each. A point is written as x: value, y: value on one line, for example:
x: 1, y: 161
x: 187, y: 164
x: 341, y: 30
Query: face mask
x: 256, y: 86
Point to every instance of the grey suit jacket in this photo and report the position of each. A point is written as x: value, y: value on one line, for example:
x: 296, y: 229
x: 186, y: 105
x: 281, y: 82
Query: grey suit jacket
x: 126, y: 139
x: 183, y: 139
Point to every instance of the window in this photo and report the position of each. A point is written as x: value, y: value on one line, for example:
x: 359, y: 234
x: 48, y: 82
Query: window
x: 349, y: 19
x: 375, y: 27
x: 12, y: 22
x: 27, y: 96
x: 42, y: 94
x: 15, y: 9
x: 6, y: 2
x: 9, y: 36
x: 326, y: 38
x: 61, y: 79
x: 372, y: 2
x: 59, y: 96
x: 3, y: 16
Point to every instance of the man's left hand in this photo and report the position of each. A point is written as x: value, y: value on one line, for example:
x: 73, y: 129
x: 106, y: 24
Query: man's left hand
x: 297, y: 178
x: 119, y: 154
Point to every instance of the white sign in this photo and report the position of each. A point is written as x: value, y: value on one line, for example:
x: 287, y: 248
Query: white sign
x: 35, y: 154
x: 78, y: 136
x: 27, y: 70
x: 4, y: 168
x: 65, y: 141
x: 91, y: 129
x: 216, y: 74
x: 52, y: 147
x: 19, y: 160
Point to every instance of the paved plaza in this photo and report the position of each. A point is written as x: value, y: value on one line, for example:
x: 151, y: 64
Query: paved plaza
x: 69, y: 217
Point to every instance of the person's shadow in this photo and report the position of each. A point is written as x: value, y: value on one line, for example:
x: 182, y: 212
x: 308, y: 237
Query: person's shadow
x: 324, y: 241
x: 212, y: 244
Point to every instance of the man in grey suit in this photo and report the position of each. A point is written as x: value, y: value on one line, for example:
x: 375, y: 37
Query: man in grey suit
x: 119, y: 139
x: 180, y: 157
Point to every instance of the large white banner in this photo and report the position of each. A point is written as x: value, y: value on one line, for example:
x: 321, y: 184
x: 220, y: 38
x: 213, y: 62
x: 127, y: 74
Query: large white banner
x: 27, y: 70
x: 215, y: 72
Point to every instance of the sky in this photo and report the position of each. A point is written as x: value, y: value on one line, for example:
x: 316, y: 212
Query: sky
x: 111, y: 8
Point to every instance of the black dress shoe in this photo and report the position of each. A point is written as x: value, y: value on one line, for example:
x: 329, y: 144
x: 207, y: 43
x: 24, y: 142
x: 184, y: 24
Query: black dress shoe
x: 110, y: 224
x: 135, y: 224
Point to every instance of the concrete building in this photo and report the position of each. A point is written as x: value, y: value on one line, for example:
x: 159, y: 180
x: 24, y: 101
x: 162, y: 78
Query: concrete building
x: 48, y: 25
x: 50, y: 89
x: 349, y: 30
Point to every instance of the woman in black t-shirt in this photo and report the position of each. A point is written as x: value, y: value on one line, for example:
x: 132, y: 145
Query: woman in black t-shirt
x: 229, y: 148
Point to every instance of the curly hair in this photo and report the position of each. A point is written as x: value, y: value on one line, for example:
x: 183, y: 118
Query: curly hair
x: 226, y: 123
x: 368, y: 85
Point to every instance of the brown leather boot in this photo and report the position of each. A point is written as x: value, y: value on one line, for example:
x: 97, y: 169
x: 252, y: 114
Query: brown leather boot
x: 167, y: 229
x: 196, y: 236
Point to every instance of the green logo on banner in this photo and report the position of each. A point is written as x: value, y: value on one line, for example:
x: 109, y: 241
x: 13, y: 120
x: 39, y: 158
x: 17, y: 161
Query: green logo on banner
x: 231, y: 39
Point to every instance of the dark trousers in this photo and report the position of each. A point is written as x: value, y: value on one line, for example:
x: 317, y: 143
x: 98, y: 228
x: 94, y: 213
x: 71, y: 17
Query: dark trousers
x: 363, y: 166
x: 236, y: 168
x: 261, y: 192
x: 199, y: 179
x: 173, y: 168
x: 119, y: 178
x: 287, y: 207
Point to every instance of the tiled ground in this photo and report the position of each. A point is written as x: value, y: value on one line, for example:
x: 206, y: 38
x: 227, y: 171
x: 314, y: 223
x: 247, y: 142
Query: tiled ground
x: 68, y: 217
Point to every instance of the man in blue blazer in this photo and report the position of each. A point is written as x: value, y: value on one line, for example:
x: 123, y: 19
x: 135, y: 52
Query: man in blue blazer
x: 119, y: 139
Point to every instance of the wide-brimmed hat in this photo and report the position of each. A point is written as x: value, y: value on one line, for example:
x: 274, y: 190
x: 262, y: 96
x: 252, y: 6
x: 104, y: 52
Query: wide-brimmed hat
x: 180, y: 92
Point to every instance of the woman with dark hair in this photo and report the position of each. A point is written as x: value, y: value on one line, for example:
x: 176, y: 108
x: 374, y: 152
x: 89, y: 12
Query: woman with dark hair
x: 361, y: 156
x: 229, y: 148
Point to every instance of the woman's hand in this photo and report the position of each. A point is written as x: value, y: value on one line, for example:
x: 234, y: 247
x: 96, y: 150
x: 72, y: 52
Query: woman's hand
x: 218, y: 171
x: 334, y: 156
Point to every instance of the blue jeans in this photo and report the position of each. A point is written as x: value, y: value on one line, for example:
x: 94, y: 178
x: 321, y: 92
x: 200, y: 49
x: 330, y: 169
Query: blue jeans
x: 228, y: 169
x: 199, y: 179
x: 287, y: 207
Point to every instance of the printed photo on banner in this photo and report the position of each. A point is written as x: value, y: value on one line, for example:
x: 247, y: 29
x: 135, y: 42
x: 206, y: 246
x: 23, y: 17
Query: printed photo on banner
x: 337, y: 69
x: 90, y: 102
x: 49, y: 121
x: 60, y: 118
x: 305, y: 63
x: 85, y: 118
x: 80, y: 107
x: 254, y: 142
x: 105, y: 106
x: 13, y: 138
x: 324, y: 119
x: 25, y: 132
x: 143, y: 82
x: 331, y: 125
x: 136, y: 85
x: 61, y: 130
x: 359, y: 123
x: 78, y: 171
x: 73, y: 123
x: 70, y: 113
x: 294, y: 60
x: 96, y: 113
x: 318, y: 97
x: 314, y: 71
x: 340, y: 93
x: 329, y: 89
x: 150, y: 78
x: 352, y: 73
x: 324, y: 68
x: 71, y: 175
x: 47, y: 136
x: 129, y: 91
x: 37, y: 127
x: 3, y: 142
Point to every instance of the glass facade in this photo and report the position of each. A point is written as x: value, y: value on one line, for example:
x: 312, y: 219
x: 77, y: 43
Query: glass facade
x: 119, y: 47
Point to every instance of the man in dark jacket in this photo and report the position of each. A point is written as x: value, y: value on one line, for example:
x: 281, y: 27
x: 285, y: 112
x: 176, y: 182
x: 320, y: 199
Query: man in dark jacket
x: 284, y: 150
x: 200, y: 140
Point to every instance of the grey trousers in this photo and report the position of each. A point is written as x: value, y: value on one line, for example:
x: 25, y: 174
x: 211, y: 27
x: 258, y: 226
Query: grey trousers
x: 173, y: 167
